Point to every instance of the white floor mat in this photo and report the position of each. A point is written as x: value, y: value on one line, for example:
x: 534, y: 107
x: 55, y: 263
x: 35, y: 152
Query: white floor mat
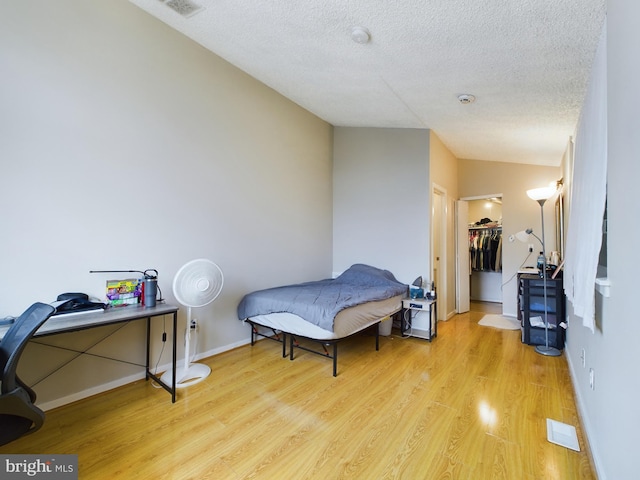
x: 500, y: 321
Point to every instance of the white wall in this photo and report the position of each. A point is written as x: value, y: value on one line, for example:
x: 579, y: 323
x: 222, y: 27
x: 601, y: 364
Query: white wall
x: 124, y: 145
x: 381, y: 200
x: 610, y: 412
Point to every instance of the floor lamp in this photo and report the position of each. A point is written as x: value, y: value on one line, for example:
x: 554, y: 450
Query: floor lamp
x: 541, y: 195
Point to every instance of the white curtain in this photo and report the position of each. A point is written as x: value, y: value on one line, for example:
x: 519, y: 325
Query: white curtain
x: 588, y: 195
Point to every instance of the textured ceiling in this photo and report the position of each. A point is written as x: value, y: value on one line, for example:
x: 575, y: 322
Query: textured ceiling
x: 526, y: 61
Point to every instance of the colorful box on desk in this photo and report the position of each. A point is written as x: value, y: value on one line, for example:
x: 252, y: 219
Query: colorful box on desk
x: 124, y: 292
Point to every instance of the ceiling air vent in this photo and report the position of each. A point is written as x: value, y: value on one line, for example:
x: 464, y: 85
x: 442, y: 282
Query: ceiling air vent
x: 185, y: 8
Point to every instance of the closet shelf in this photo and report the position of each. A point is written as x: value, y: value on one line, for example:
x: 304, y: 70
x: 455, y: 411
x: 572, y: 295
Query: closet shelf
x: 482, y: 227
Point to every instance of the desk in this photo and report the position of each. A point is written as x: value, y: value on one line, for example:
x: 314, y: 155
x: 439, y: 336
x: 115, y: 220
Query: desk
x: 76, y: 322
x: 410, y: 305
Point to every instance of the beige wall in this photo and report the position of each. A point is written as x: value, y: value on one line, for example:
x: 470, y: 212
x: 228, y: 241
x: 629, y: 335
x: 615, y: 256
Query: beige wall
x: 479, y: 209
x: 381, y: 200
x: 125, y: 145
x: 479, y: 179
x: 443, y: 170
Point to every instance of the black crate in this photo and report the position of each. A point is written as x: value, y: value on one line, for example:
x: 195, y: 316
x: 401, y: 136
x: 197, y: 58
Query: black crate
x: 531, y: 304
x: 536, y: 336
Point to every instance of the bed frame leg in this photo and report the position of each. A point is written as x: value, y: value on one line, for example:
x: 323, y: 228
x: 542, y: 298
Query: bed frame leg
x: 335, y: 359
x: 378, y: 335
x: 290, y: 347
x: 278, y: 337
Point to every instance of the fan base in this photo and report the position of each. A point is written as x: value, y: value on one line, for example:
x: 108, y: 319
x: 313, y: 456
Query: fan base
x: 195, y: 373
x: 548, y: 351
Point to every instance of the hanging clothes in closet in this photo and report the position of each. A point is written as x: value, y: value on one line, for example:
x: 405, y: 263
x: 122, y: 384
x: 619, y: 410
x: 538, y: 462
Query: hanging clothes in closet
x: 485, y: 249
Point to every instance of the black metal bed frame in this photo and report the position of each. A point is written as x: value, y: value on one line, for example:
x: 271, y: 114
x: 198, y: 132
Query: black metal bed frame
x: 275, y: 337
x: 293, y: 343
x: 281, y: 336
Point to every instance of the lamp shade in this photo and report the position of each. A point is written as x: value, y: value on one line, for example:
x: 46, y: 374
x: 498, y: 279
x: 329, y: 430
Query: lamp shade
x: 543, y: 193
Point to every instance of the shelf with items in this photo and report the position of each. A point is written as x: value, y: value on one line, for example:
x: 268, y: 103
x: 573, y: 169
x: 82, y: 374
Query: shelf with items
x: 411, y: 308
x: 531, y: 310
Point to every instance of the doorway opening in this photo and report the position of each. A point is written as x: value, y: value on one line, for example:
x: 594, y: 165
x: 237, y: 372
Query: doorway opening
x: 480, y: 251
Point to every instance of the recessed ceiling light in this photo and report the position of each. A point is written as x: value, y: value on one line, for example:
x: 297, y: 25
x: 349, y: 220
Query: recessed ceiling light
x: 466, y: 98
x: 360, y: 35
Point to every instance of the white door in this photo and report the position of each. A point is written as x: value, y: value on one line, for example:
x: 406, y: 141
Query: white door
x: 462, y: 257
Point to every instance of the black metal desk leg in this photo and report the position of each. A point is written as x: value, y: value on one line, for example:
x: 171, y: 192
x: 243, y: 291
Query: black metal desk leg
x: 435, y: 319
x: 146, y: 372
x: 173, y: 377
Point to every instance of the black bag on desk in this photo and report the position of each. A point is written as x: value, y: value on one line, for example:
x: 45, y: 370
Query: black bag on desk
x: 77, y: 302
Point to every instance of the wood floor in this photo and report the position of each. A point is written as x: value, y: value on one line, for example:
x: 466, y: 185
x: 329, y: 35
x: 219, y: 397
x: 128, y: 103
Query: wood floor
x: 471, y: 405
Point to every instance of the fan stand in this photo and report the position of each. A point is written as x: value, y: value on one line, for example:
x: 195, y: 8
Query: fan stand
x: 190, y: 373
x: 196, y: 284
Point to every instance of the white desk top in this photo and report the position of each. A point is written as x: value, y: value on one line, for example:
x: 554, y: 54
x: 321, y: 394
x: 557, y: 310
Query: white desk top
x: 73, y: 322
x: 532, y: 270
x: 422, y: 302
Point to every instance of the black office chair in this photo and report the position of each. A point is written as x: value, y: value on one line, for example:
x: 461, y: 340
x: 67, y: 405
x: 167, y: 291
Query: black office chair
x: 18, y: 414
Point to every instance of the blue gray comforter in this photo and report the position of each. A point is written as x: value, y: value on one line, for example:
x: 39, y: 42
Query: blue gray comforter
x: 320, y: 301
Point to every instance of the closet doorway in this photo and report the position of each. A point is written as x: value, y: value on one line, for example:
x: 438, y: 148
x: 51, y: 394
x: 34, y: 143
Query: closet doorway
x: 479, y: 248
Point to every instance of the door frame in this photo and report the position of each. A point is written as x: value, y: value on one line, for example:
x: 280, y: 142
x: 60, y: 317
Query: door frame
x: 440, y: 217
x: 463, y: 269
x: 460, y: 259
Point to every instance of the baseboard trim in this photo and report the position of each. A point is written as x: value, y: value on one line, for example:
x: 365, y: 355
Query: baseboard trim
x: 89, y: 392
x: 584, y: 420
x: 120, y: 382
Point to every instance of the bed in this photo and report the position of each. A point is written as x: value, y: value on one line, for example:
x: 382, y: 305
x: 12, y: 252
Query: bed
x: 324, y: 311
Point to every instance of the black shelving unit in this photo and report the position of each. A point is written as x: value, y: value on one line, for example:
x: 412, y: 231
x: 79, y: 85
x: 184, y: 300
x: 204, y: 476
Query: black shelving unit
x: 531, y: 305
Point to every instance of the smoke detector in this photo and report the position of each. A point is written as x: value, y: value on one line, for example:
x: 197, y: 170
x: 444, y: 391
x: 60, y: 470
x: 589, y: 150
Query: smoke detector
x: 360, y: 35
x: 466, y: 98
x: 186, y: 8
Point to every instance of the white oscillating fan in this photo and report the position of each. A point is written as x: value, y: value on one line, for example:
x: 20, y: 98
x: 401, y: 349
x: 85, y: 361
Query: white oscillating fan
x: 196, y: 284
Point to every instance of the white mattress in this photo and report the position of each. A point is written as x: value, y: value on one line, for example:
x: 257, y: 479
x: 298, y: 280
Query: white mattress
x: 348, y: 321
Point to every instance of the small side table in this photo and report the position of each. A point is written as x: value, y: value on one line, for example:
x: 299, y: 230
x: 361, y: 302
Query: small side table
x: 414, y: 305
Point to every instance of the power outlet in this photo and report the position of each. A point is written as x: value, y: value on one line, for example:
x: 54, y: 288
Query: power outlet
x: 592, y: 379
x: 531, y: 248
x: 583, y: 357
x: 194, y: 324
